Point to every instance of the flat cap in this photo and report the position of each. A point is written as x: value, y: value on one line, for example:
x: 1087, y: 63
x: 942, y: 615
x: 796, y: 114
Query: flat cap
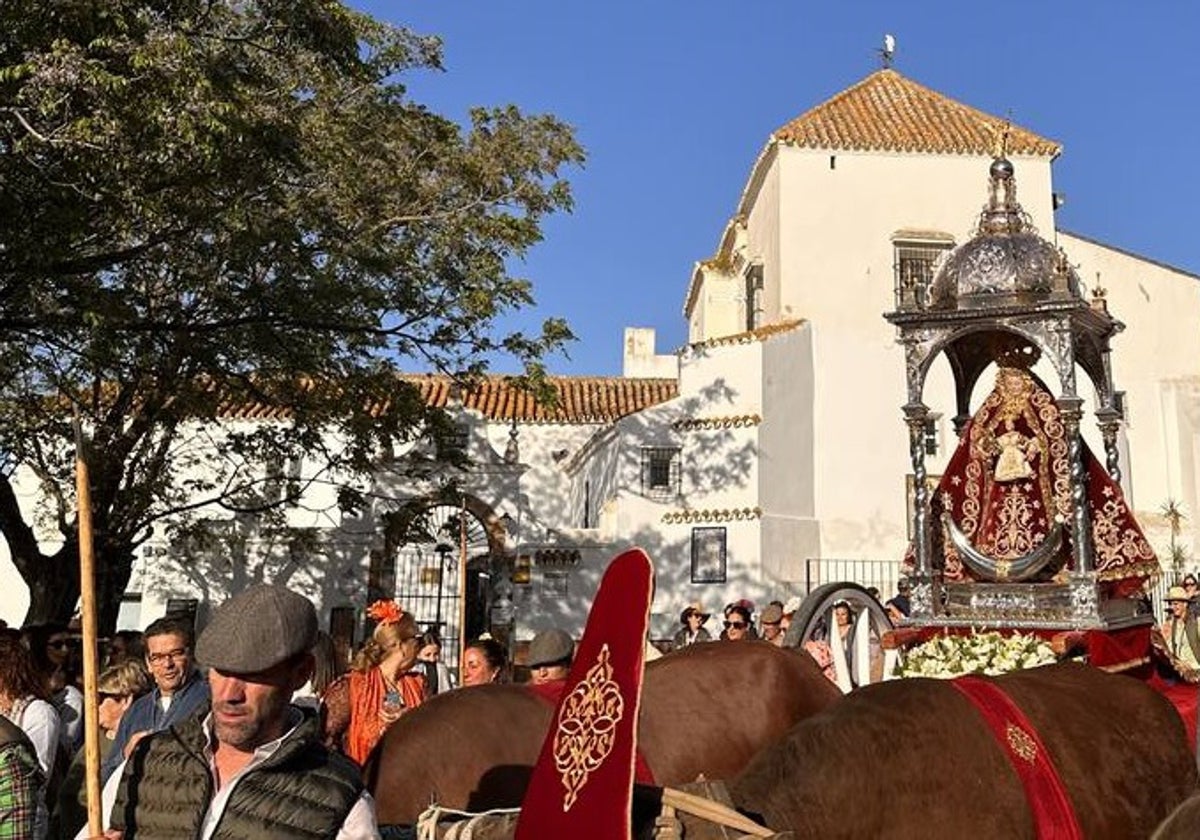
x: 550, y: 646
x: 257, y: 629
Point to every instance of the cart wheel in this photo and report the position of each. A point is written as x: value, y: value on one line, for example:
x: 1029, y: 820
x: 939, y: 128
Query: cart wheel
x: 811, y: 622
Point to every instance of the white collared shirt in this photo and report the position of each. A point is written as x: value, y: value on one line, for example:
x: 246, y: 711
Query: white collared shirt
x: 359, y: 823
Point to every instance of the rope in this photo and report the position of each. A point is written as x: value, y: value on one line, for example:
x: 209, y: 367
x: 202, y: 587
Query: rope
x: 464, y: 827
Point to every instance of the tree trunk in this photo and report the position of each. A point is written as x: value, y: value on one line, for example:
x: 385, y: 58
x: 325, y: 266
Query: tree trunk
x: 53, y: 582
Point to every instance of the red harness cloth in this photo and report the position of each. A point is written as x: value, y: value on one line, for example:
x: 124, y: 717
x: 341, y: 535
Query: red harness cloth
x: 552, y: 692
x: 1053, y: 814
x: 582, y: 785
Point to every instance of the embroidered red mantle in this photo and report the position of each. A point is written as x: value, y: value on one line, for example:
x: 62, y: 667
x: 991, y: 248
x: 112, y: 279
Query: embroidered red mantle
x: 1008, y: 483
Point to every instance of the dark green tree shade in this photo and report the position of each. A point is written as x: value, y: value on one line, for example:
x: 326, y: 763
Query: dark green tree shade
x: 210, y: 205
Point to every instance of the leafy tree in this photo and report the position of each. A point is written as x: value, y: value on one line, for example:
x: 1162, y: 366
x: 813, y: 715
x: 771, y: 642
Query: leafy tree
x: 213, y: 203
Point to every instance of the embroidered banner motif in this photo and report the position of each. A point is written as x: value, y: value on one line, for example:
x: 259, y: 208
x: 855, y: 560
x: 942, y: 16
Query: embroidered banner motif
x: 587, y: 724
x: 1021, y: 743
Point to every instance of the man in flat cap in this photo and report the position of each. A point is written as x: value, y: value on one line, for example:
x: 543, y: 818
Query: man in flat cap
x: 770, y: 623
x: 254, y: 766
x: 549, y: 661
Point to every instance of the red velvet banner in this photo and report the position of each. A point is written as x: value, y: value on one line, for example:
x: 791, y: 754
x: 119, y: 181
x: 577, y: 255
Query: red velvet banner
x: 1053, y: 813
x: 582, y: 785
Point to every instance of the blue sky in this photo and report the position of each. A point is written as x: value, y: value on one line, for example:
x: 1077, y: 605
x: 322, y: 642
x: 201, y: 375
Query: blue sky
x: 674, y: 100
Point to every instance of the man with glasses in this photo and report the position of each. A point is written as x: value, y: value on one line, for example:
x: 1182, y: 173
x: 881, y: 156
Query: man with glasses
x: 179, y: 690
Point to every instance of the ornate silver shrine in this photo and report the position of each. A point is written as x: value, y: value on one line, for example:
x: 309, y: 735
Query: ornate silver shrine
x: 1007, y: 287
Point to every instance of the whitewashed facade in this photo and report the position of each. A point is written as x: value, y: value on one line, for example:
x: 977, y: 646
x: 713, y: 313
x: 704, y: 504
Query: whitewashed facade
x: 773, y: 443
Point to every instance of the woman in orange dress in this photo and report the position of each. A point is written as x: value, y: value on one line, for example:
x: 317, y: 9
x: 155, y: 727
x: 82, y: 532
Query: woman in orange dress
x: 380, y: 686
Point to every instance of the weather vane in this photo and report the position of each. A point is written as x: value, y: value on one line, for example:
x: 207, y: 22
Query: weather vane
x: 888, y: 51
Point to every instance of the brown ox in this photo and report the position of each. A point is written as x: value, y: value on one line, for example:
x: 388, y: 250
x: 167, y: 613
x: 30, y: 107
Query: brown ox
x: 914, y: 759
x: 707, y: 709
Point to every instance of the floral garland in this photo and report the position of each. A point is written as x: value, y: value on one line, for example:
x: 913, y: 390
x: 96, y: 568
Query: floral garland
x: 947, y: 656
x: 385, y: 611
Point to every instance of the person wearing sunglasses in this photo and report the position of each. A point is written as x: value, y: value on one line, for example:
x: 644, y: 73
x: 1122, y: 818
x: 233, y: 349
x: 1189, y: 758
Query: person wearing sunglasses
x: 55, y: 654
x: 179, y: 689
x: 737, y: 623
x: 118, y: 687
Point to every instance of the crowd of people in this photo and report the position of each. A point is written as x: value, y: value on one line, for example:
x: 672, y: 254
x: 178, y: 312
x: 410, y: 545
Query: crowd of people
x: 261, y: 702
x: 261, y: 709
x: 832, y: 634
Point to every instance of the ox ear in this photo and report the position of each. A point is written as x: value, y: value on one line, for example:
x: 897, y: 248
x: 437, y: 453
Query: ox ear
x: 582, y: 785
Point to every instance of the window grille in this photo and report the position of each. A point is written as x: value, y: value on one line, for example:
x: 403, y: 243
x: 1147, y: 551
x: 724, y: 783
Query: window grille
x: 916, y: 265
x: 452, y: 442
x: 660, y: 472
x: 754, y: 295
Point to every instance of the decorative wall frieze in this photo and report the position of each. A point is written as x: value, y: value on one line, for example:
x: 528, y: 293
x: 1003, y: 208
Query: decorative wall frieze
x: 685, y: 517
x: 739, y: 421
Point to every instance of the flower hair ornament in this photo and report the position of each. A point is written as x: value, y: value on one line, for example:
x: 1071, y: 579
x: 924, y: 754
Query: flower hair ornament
x: 385, y: 611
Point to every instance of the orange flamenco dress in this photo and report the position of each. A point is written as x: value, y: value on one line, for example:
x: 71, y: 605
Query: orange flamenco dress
x: 368, y: 695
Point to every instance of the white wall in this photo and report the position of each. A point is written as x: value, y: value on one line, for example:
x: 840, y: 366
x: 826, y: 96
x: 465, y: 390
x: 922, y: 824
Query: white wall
x: 1156, y: 361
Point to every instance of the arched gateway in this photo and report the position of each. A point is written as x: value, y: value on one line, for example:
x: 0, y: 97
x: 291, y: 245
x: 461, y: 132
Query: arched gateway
x: 439, y: 558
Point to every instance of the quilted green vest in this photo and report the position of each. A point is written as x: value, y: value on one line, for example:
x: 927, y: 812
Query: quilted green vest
x: 302, y: 791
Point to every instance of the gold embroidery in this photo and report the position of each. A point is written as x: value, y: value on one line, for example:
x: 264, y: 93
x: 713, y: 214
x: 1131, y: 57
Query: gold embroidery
x: 1116, y: 546
x: 1021, y: 742
x: 1013, y: 534
x: 587, y: 727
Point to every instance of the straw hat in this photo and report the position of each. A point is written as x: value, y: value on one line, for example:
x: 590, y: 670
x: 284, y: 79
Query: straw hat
x: 1177, y: 593
x: 696, y: 608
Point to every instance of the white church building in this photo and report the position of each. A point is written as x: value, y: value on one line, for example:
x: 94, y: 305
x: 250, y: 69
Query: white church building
x: 767, y: 455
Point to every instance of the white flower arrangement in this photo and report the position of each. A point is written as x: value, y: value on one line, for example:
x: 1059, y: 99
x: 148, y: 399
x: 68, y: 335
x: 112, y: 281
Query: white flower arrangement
x: 947, y: 656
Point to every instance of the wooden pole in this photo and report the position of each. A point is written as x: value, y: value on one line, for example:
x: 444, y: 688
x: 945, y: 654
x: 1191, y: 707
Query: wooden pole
x: 713, y: 811
x: 87, y: 592
x: 462, y: 583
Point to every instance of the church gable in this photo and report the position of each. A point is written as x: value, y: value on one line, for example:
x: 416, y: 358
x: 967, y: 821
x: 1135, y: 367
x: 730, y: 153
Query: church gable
x: 888, y: 112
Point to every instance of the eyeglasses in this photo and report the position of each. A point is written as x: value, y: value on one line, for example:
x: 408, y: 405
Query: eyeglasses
x: 739, y: 625
x: 160, y: 658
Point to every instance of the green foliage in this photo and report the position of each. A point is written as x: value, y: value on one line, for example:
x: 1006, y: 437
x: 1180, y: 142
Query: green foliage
x: 214, y: 204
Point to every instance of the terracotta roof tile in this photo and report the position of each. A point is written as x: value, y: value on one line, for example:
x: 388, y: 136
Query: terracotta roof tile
x: 581, y: 399
x: 888, y: 112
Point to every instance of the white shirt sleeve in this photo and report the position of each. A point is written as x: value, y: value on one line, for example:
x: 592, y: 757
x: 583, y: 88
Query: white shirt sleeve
x: 40, y: 722
x: 108, y: 798
x: 71, y: 716
x: 360, y: 822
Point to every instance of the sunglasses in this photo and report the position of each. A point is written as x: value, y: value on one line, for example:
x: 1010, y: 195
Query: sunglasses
x: 734, y: 624
x: 61, y: 644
